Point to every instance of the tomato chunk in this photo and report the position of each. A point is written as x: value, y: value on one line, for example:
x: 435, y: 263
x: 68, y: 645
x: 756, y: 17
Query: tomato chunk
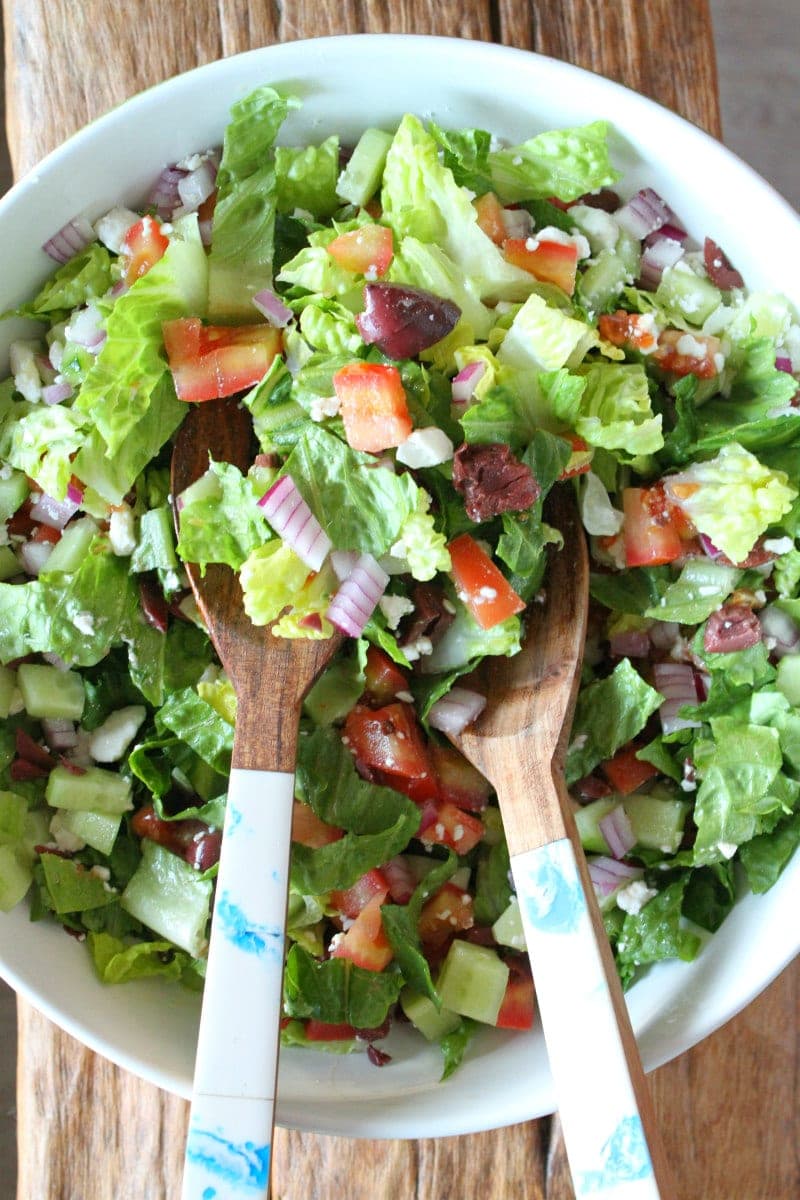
x: 625, y: 772
x: 580, y: 461
x: 459, y: 782
x: 688, y: 354
x: 549, y: 262
x: 143, y: 245
x: 627, y: 330
x: 309, y: 830
x: 480, y: 584
x: 490, y: 217
x: 209, y: 362
x: 448, y: 825
x: 647, y: 542
x: 354, y: 899
x: 367, y: 250
x: 365, y: 942
x: 326, y: 1031
x: 517, y: 1009
x: 389, y: 742
x: 384, y: 679
x: 373, y: 406
x: 445, y: 914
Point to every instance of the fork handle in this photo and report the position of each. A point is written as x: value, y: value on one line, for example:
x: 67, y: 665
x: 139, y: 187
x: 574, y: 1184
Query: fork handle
x: 233, y: 1100
x: 612, y: 1143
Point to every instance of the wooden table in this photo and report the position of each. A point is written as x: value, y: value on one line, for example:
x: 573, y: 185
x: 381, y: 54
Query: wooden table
x: 88, y: 1131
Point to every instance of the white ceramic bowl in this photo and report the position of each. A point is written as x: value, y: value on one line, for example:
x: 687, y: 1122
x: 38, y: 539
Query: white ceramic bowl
x: 345, y: 84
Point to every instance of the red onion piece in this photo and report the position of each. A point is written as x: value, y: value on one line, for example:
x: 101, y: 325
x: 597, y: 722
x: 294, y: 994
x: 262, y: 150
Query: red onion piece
x: 718, y: 267
x: 197, y: 186
x: 780, y: 630
x: 607, y: 874
x: 271, y: 307
x: 644, y: 213
x: 85, y: 329
x: 783, y: 363
x: 518, y: 222
x: 680, y: 684
x: 164, y: 195
x: 662, y: 252
x: 708, y: 546
x: 60, y: 734
x: 464, y: 383
x: 664, y: 634
x: 455, y: 711
x: 401, y: 879
x: 673, y: 232
x: 74, y: 493
x: 616, y: 829
x: 291, y: 518
x: 56, y: 393
x: 34, y: 555
x: 633, y: 643
x: 55, y: 513
x: 356, y: 599
x: 343, y: 562
x: 69, y: 240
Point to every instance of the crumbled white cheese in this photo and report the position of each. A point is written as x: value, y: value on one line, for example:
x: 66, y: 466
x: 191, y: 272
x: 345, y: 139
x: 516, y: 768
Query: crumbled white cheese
x: 425, y: 448
x: 780, y: 545
x: 485, y: 594
x: 112, y: 227
x: 417, y: 649
x: 84, y: 623
x: 690, y: 346
x: 16, y: 704
x: 727, y: 849
x: 64, y: 838
x: 111, y: 739
x: 193, y: 161
x: 406, y: 697
x: 121, y: 532
x: 22, y: 360
x: 633, y: 897
x: 394, y: 608
x: 324, y: 406
x: 599, y: 226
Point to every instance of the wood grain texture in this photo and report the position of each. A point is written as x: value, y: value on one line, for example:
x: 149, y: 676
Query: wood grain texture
x: 89, y: 1131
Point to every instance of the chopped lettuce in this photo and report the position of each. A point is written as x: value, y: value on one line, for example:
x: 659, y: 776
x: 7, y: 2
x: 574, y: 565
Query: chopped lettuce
x: 307, y: 177
x: 275, y: 580
x: 615, y: 410
x: 220, y: 520
x: 565, y: 163
x: 608, y: 714
x: 337, y: 991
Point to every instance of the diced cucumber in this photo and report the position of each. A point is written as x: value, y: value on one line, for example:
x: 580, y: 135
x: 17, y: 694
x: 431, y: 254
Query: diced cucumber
x: 688, y: 295
x: 50, y: 693
x: 72, y: 887
x: 16, y: 877
x: 507, y: 929
x: 493, y: 826
x: 587, y: 820
x: 788, y: 678
x: 360, y: 179
x: 155, y: 548
x: 423, y: 1014
x: 169, y: 897
x: 9, y: 563
x: 37, y: 830
x: 8, y: 685
x: 460, y: 878
x: 69, y: 553
x: 657, y: 821
x: 473, y: 981
x: 13, y: 809
x: 95, y: 790
x: 12, y: 493
x: 97, y: 829
x: 602, y: 281
x: 204, y: 780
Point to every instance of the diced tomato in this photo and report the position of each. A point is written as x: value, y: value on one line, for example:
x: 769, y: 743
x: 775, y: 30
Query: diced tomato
x: 665, y: 512
x: 383, y: 678
x: 459, y: 782
x: 580, y: 460
x: 309, y: 830
x: 549, y: 262
x: 670, y: 354
x: 367, y: 250
x: 480, y: 584
x: 45, y: 533
x: 445, y: 914
x: 625, y: 772
x: 628, y: 330
x: 21, y: 524
x: 325, y: 1031
x: 365, y: 942
x: 647, y: 543
x: 490, y: 217
x: 355, y: 898
x: 209, y: 362
x: 143, y: 245
x: 447, y: 825
x: 373, y: 406
x: 517, y: 1009
x: 390, y: 742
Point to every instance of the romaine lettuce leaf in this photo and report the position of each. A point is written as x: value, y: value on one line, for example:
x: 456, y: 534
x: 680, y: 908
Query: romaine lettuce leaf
x: 42, y: 442
x: 274, y: 579
x: 220, y: 520
x: 699, y: 590
x: 195, y: 722
x: 337, y: 991
x: 615, y: 410
x: 542, y: 337
x: 608, y: 714
x: 83, y: 278
x: 307, y: 177
x: 400, y: 923
x: 565, y: 163
x: 657, y: 932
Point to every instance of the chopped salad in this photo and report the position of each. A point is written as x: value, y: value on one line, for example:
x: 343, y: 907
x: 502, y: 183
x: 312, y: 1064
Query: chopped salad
x: 430, y: 331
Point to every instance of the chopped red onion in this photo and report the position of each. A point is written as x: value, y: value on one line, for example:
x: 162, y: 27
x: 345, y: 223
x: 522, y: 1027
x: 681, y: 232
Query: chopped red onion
x: 464, y: 383
x: 356, y: 599
x: 56, y: 393
x: 55, y: 513
x: 401, y: 879
x: 55, y: 660
x: 680, y: 684
x: 197, y: 186
x: 69, y: 240
x: 74, y: 493
x: 271, y: 307
x: 455, y: 711
x: 607, y: 874
x: 59, y: 734
x: 518, y: 222
x: 644, y: 213
x: 673, y: 232
x: 708, y: 546
x: 783, y: 363
x: 632, y: 643
x: 616, y: 829
x: 34, y: 555
x: 660, y: 253
x: 291, y: 518
x: 85, y: 329
x: 343, y: 562
x: 779, y: 630
x: 164, y: 195
x: 664, y: 634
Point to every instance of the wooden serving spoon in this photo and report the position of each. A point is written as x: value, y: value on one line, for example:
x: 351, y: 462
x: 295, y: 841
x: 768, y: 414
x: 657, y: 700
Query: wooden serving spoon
x: 233, y: 1100
x: 519, y: 742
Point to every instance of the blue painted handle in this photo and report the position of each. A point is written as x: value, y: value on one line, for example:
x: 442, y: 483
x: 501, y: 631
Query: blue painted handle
x: 603, y: 1131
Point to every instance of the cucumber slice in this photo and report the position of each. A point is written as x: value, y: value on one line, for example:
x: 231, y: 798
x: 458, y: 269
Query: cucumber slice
x: 687, y: 295
x: 788, y: 678
x: 588, y: 820
x: 16, y: 877
x: 97, y: 829
x: 507, y: 929
x: 51, y: 694
x: 9, y: 564
x: 602, y: 281
x: 72, y: 888
x: 12, y: 493
x: 8, y: 685
x: 169, y: 897
x: 95, y: 790
x: 69, y: 553
x: 433, y: 1023
x: 13, y: 809
x: 155, y: 549
x: 657, y: 821
x: 473, y: 981
x: 360, y: 179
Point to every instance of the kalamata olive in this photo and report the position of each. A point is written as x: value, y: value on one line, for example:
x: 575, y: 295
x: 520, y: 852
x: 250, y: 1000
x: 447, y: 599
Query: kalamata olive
x: 718, y: 267
x: 402, y: 321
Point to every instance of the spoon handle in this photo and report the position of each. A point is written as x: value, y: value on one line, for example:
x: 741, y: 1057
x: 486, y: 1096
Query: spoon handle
x: 232, y: 1114
x: 610, y: 1132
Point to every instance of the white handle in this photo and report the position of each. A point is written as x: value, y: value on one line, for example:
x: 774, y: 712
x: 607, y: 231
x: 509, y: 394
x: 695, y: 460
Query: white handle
x: 233, y: 1101
x: 603, y: 1131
